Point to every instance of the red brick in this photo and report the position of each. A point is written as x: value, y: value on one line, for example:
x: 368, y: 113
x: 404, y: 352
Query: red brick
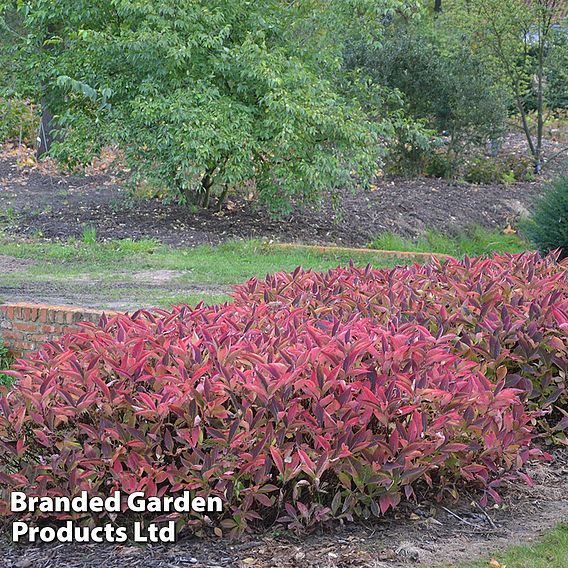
x: 41, y: 338
x: 23, y: 336
x: 11, y: 334
x: 22, y: 326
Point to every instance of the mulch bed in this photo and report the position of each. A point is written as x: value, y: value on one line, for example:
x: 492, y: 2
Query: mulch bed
x: 58, y: 207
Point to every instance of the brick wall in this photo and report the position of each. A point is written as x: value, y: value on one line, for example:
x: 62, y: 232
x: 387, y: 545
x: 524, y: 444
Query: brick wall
x: 24, y: 327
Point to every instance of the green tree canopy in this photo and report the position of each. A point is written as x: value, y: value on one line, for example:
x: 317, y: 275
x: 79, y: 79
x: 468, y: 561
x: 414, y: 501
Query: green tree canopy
x: 205, y: 95
x: 518, y: 38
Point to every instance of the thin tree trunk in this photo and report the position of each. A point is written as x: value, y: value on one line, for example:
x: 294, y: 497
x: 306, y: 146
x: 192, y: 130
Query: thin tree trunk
x: 526, y: 126
x: 437, y: 6
x: 206, y: 184
x: 46, y: 130
x: 223, y: 196
x: 514, y: 78
x: 540, y: 99
x: 539, y: 129
x: 46, y: 127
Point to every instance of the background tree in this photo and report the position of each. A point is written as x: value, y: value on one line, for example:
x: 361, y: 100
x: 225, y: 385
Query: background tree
x: 210, y: 97
x: 440, y: 80
x: 556, y: 70
x: 516, y: 37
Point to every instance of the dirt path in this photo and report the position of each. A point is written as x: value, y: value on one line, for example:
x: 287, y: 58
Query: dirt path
x: 426, y: 535
x: 121, y: 296
x: 126, y: 291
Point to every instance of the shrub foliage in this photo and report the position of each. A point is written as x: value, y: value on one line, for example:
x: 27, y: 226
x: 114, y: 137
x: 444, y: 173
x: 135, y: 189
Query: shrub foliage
x: 509, y: 313
x: 6, y: 360
x: 312, y: 397
x: 547, y: 227
x: 215, y: 97
x: 18, y: 121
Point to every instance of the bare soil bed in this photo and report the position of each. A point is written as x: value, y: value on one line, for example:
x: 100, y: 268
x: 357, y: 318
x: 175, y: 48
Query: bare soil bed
x: 429, y: 535
x: 11, y: 264
x: 58, y: 207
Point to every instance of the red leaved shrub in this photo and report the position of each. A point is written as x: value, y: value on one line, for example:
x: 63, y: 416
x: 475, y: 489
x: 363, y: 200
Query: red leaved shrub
x: 274, y: 404
x: 509, y: 313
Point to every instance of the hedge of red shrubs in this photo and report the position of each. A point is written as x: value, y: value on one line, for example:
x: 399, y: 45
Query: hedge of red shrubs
x: 313, y: 396
x: 509, y: 313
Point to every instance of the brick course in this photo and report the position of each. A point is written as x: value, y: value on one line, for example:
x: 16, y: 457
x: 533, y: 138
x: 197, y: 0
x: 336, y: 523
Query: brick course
x: 24, y: 327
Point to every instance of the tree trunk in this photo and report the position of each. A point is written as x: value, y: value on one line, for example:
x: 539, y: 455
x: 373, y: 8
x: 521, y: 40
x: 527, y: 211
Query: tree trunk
x: 223, y: 196
x: 46, y: 131
x: 526, y: 127
x: 437, y: 6
x: 540, y: 101
x: 206, y: 184
x: 46, y: 126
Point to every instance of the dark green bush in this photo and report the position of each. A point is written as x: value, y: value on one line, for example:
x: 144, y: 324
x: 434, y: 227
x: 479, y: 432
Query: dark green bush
x: 498, y: 170
x: 547, y: 226
x: 439, y: 166
x: 453, y: 90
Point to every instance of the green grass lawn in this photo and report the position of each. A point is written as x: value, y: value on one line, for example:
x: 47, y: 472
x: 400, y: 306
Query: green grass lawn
x: 475, y: 242
x: 223, y: 264
x: 550, y: 551
x: 122, y: 270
